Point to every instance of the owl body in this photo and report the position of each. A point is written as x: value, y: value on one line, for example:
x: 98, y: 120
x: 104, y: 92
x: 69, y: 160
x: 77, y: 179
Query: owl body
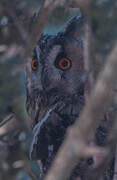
x: 55, y: 89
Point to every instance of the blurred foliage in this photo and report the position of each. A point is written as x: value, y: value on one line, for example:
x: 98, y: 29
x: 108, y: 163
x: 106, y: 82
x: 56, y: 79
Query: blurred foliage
x: 11, y: 85
x: 18, y: 16
x: 104, y: 16
x: 104, y: 27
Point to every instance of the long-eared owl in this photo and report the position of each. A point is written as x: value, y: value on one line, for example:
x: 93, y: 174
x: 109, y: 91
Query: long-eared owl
x: 55, y: 89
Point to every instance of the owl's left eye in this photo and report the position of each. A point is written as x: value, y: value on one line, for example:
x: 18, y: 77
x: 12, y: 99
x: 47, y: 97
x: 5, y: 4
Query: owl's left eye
x: 35, y: 64
x: 64, y: 63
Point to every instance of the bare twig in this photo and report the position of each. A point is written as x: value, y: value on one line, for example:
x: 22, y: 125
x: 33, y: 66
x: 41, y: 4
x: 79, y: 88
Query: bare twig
x: 87, y: 54
x: 6, y: 120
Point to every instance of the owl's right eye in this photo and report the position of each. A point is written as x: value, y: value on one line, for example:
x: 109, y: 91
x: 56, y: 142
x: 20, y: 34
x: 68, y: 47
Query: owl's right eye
x: 62, y: 62
x: 35, y: 64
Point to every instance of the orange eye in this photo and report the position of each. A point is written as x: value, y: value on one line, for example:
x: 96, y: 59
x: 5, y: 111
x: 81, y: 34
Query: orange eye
x: 64, y: 63
x: 35, y: 64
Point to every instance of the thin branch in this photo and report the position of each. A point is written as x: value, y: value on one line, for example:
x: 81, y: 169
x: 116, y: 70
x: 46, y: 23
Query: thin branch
x: 6, y: 120
x: 87, y: 54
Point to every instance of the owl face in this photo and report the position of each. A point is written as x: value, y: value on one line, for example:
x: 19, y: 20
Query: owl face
x: 57, y: 62
x: 55, y: 78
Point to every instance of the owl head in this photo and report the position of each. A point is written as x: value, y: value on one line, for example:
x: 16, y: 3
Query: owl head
x: 57, y: 63
x: 55, y: 84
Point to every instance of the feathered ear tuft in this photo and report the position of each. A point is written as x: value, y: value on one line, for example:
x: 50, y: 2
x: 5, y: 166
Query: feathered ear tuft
x: 73, y: 28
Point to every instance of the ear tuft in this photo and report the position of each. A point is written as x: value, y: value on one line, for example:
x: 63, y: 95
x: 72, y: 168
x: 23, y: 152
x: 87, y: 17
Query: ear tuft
x: 73, y: 28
